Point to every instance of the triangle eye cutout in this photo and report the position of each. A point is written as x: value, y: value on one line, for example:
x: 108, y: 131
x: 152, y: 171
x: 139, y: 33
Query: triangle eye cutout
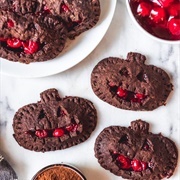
x: 142, y: 77
x: 124, y: 139
x: 124, y: 72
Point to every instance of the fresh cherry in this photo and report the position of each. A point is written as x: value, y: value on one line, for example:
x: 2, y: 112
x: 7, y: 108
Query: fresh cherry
x: 174, y: 26
x: 124, y: 162
x: 30, y: 47
x: 174, y: 10
x: 144, y: 9
x: 41, y: 133
x: 157, y: 14
x: 138, y: 165
x: 14, y: 43
x: 58, y: 132
x: 165, y: 3
x: 122, y: 93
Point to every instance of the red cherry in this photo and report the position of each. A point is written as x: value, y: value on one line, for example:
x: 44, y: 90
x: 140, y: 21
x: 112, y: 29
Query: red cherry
x: 144, y: 9
x: 157, y: 14
x: 125, y: 163
x: 136, y: 165
x: 30, y: 47
x: 64, y: 8
x: 165, y: 3
x: 72, y: 128
x: 58, y: 132
x: 174, y: 10
x: 14, y: 43
x: 144, y: 165
x: 140, y: 96
x: 10, y: 23
x: 122, y: 93
x: 174, y: 26
x: 41, y: 133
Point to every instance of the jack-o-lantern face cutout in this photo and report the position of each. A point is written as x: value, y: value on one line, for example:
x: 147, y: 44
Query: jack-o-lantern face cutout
x: 135, y: 153
x: 54, y: 123
x: 130, y: 84
x: 31, y: 38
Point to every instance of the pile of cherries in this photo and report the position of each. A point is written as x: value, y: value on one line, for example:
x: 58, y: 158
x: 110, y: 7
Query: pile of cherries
x: 159, y: 17
x: 58, y: 132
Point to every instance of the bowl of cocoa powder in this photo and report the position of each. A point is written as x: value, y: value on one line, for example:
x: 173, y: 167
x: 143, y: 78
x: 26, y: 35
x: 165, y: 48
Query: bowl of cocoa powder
x: 59, y: 171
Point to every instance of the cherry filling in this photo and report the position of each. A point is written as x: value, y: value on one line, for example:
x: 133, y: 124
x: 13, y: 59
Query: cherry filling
x: 64, y: 8
x: 126, y: 163
x: 58, y: 132
x: 10, y: 23
x: 15, y: 44
x: 128, y: 95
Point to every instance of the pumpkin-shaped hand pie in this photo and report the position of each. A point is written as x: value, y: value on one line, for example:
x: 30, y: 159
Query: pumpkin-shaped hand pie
x: 130, y: 84
x: 136, y: 153
x: 54, y: 123
x: 31, y: 38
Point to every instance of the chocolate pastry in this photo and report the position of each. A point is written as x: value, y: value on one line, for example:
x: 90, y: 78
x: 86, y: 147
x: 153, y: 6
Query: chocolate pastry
x: 31, y: 38
x: 79, y: 16
x: 22, y: 6
x: 131, y: 84
x: 54, y: 123
x: 136, y: 153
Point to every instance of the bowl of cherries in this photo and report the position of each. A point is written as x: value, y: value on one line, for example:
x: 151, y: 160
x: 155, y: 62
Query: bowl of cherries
x: 159, y: 19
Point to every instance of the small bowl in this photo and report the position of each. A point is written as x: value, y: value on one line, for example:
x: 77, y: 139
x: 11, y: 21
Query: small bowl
x: 62, y: 171
x: 144, y: 30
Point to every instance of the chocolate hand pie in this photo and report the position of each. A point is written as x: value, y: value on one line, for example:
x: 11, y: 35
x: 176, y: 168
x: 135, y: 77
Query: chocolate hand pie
x: 31, y: 38
x: 36, y: 30
x: 136, y: 153
x: 130, y: 84
x: 54, y: 123
x: 79, y: 16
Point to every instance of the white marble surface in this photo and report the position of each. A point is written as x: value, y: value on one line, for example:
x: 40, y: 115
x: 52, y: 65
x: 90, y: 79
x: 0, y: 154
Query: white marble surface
x: 121, y: 37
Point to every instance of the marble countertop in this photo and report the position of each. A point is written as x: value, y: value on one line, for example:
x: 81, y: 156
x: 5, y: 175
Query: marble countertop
x: 121, y: 38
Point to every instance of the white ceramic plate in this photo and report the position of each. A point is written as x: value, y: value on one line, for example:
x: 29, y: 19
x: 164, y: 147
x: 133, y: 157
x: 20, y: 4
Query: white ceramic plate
x: 74, y: 52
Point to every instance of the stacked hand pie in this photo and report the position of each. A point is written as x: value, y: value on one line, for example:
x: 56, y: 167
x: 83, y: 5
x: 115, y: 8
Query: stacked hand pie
x: 36, y: 30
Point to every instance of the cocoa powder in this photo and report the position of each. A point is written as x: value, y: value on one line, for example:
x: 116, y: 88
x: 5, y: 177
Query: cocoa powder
x: 58, y: 173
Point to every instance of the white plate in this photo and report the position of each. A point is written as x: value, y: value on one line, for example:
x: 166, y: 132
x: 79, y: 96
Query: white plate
x: 75, y: 51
